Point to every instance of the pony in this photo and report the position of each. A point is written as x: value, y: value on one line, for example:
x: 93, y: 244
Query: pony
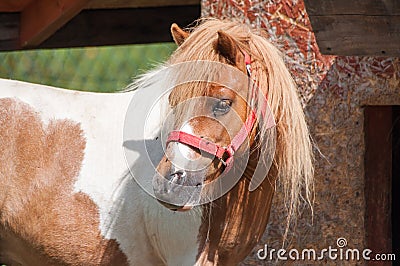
x: 98, y: 179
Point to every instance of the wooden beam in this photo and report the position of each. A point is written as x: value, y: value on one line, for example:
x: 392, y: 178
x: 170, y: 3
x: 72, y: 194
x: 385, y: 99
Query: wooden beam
x: 105, y: 27
x: 109, y: 4
x: 358, y: 35
x: 357, y: 27
x: 122, y: 26
x: 353, y: 7
x: 13, y: 5
x: 41, y: 18
x: 378, y: 178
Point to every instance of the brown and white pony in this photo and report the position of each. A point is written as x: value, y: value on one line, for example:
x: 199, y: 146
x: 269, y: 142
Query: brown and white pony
x: 74, y: 179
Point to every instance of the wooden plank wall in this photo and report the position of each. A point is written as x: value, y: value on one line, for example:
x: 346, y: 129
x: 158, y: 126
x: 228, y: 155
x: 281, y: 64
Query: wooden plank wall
x: 356, y: 27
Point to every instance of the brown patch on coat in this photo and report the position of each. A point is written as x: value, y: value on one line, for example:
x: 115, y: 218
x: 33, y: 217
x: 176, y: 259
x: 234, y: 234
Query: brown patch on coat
x: 237, y: 220
x: 42, y: 221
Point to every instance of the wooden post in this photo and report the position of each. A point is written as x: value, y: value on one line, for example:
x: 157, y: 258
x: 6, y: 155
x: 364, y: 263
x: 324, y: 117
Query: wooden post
x: 378, y: 178
x: 41, y: 18
x: 396, y: 181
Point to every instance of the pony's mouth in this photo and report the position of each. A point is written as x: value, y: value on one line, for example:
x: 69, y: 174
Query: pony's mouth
x: 173, y: 207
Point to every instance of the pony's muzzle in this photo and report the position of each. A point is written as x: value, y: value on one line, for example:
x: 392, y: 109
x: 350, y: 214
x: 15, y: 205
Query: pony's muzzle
x: 178, y: 190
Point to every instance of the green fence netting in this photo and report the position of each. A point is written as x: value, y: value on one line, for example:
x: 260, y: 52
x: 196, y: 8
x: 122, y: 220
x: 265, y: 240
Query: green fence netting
x: 101, y: 69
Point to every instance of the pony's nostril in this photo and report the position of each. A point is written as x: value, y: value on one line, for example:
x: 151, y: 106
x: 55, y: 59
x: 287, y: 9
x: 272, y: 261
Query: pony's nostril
x: 179, y: 173
x: 182, y: 173
x: 178, y: 177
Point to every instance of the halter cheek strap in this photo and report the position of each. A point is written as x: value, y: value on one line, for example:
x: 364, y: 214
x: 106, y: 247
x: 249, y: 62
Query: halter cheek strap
x: 224, y: 154
x: 247, y: 61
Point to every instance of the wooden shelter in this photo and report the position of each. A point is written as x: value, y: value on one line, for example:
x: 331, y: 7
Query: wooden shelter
x: 27, y: 24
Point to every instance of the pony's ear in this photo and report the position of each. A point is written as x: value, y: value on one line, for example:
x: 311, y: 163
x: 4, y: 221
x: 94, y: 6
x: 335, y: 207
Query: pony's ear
x: 178, y: 34
x: 228, y: 48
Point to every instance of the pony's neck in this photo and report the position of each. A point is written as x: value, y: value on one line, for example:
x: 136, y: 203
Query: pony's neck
x: 234, y: 223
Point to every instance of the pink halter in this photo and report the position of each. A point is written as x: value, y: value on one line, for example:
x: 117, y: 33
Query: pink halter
x: 225, y: 154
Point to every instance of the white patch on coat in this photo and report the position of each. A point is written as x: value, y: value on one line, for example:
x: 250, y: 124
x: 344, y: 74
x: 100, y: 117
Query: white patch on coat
x: 185, y: 150
x: 182, y: 156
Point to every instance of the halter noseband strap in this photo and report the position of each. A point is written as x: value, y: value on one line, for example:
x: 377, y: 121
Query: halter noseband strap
x: 224, y: 154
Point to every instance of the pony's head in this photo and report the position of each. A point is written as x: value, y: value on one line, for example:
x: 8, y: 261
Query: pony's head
x: 218, y: 116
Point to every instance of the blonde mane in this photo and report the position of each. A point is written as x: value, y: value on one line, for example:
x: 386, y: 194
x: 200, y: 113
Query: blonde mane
x: 293, y: 161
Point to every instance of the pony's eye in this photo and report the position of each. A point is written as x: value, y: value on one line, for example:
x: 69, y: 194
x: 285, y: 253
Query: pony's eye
x: 222, y: 107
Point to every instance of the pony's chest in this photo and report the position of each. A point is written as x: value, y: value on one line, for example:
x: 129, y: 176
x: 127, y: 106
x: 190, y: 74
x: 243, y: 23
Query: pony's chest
x: 174, y: 235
